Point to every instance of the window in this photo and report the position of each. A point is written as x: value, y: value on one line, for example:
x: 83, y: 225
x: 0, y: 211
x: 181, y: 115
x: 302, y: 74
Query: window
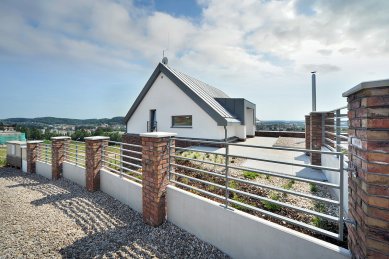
x: 182, y: 121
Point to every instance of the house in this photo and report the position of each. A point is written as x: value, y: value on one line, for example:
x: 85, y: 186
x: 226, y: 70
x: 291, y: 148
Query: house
x: 172, y: 101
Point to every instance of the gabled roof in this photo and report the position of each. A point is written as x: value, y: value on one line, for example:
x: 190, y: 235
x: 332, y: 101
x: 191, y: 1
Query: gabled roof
x: 201, y: 93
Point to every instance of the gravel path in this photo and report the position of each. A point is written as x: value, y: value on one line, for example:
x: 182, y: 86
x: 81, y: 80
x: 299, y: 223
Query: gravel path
x: 41, y: 219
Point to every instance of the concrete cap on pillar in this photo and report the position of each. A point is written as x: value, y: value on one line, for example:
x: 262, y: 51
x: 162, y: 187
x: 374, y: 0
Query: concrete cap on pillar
x: 34, y: 141
x: 366, y: 85
x: 157, y: 134
x: 97, y: 138
x: 60, y: 138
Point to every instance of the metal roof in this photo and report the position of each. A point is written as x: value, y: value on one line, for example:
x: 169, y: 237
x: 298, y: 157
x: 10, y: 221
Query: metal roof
x: 201, y: 93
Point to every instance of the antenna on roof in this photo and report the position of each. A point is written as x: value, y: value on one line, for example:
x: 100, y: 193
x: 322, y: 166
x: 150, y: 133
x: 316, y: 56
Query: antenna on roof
x: 164, y: 59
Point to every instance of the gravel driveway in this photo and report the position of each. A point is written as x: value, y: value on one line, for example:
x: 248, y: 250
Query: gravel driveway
x: 41, y: 218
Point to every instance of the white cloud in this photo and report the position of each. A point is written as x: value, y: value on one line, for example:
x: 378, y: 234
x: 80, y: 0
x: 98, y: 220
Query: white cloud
x: 248, y: 43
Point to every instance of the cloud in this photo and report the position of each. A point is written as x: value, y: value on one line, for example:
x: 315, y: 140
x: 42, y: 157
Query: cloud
x: 321, y: 68
x: 248, y: 43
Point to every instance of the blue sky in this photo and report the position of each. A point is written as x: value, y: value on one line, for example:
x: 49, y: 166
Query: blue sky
x: 91, y: 58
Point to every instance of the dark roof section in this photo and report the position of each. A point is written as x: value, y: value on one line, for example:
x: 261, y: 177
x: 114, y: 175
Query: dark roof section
x: 201, y: 93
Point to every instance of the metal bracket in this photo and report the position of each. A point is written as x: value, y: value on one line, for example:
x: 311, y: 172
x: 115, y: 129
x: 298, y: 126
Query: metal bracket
x: 350, y: 221
x: 351, y: 168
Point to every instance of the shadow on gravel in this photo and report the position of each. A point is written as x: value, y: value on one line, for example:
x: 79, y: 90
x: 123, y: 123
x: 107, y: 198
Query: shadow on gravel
x: 112, y: 229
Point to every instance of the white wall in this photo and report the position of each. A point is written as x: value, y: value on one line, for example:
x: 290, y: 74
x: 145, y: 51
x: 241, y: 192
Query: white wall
x: 122, y: 189
x: 43, y: 169
x: 333, y: 177
x: 24, y: 166
x: 74, y: 173
x: 241, y: 235
x: 169, y: 100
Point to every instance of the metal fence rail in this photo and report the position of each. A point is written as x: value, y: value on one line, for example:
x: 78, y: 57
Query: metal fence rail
x: 118, y: 158
x: 222, y: 180
x: 334, y: 130
x: 44, y: 153
x: 75, y: 153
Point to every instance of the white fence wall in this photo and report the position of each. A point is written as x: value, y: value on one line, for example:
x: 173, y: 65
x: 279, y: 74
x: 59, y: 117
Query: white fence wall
x: 43, y: 169
x: 241, y: 235
x: 122, y: 189
x: 333, y: 177
x: 74, y: 173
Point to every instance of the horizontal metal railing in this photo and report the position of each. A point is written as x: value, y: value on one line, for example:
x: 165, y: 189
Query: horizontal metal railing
x: 44, y: 153
x: 335, y: 130
x: 116, y: 159
x: 75, y: 153
x: 221, y: 176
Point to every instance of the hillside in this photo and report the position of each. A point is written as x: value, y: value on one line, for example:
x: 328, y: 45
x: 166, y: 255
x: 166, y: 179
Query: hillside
x: 68, y: 121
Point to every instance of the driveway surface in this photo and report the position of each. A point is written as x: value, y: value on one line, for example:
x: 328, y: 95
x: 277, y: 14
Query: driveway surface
x: 278, y: 155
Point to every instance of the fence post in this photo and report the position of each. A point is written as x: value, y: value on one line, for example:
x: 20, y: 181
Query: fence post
x: 155, y: 167
x: 368, y: 105
x: 32, y: 155
x: 93, y: 160
x: 58, y: 145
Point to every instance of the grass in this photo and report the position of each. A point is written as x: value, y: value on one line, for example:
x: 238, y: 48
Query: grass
x: 271, y: 206
x: 313, y: 187
x: 288, y: 185
x: 3, y: 155
x: 250, y: 175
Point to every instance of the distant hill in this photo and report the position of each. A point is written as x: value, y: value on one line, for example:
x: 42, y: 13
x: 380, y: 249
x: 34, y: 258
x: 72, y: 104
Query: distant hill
x: 54, y: 120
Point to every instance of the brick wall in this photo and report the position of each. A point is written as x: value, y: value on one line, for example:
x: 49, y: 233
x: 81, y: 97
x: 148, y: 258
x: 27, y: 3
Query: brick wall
x: 315, y: 136
x: 58, y: 155
x: 93, y: 161
x: 307, y: 132
x: 155, y: 161
x: 369, y: 186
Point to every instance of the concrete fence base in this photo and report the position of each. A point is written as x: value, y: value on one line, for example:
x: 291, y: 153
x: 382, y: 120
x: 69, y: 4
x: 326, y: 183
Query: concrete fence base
x: 242, y: 235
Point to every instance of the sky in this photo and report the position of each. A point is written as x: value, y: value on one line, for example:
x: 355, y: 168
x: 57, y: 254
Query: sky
x: 91, y: 58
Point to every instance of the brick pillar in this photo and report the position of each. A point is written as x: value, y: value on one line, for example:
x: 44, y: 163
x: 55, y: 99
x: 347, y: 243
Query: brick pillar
x: 58, y: 145
x: 368, y: 105
x: 32, y: 154
x: 308, y: 132
x: 315, y: 136
x: 155, y: 164
x: 93, y: 160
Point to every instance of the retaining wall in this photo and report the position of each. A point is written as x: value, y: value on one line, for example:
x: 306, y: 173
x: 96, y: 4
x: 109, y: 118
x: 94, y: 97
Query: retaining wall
x: 241, y: 235
x: 43, y: 169
x: 74, y: 173
x: 122, y: 189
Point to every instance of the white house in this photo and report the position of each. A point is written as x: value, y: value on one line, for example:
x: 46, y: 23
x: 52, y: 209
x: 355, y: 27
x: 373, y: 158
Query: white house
x: 175, y: 102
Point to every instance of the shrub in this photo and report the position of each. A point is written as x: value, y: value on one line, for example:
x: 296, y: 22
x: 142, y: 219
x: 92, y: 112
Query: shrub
x: 313, y: 187
x: 271, y: 206
x: 250, y: 175
x: 288, y: 185
x: 319, y: 222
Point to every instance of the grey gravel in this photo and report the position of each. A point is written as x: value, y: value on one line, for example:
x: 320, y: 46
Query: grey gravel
x: 40, y: 218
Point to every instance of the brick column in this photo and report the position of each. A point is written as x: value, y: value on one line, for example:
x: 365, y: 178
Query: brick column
x: 315, y: 136
x: 58, y: 145
x: 368, y: 105
x: 32, y: 154
x: 308, y: 132
x: 93, y: 161
x: 155, y: 164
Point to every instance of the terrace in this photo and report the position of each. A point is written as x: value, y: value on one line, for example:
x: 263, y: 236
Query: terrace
x: 319, y: 197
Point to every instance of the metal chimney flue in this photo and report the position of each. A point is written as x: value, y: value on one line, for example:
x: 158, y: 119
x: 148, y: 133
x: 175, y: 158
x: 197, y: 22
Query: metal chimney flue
x: 313, y: 91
